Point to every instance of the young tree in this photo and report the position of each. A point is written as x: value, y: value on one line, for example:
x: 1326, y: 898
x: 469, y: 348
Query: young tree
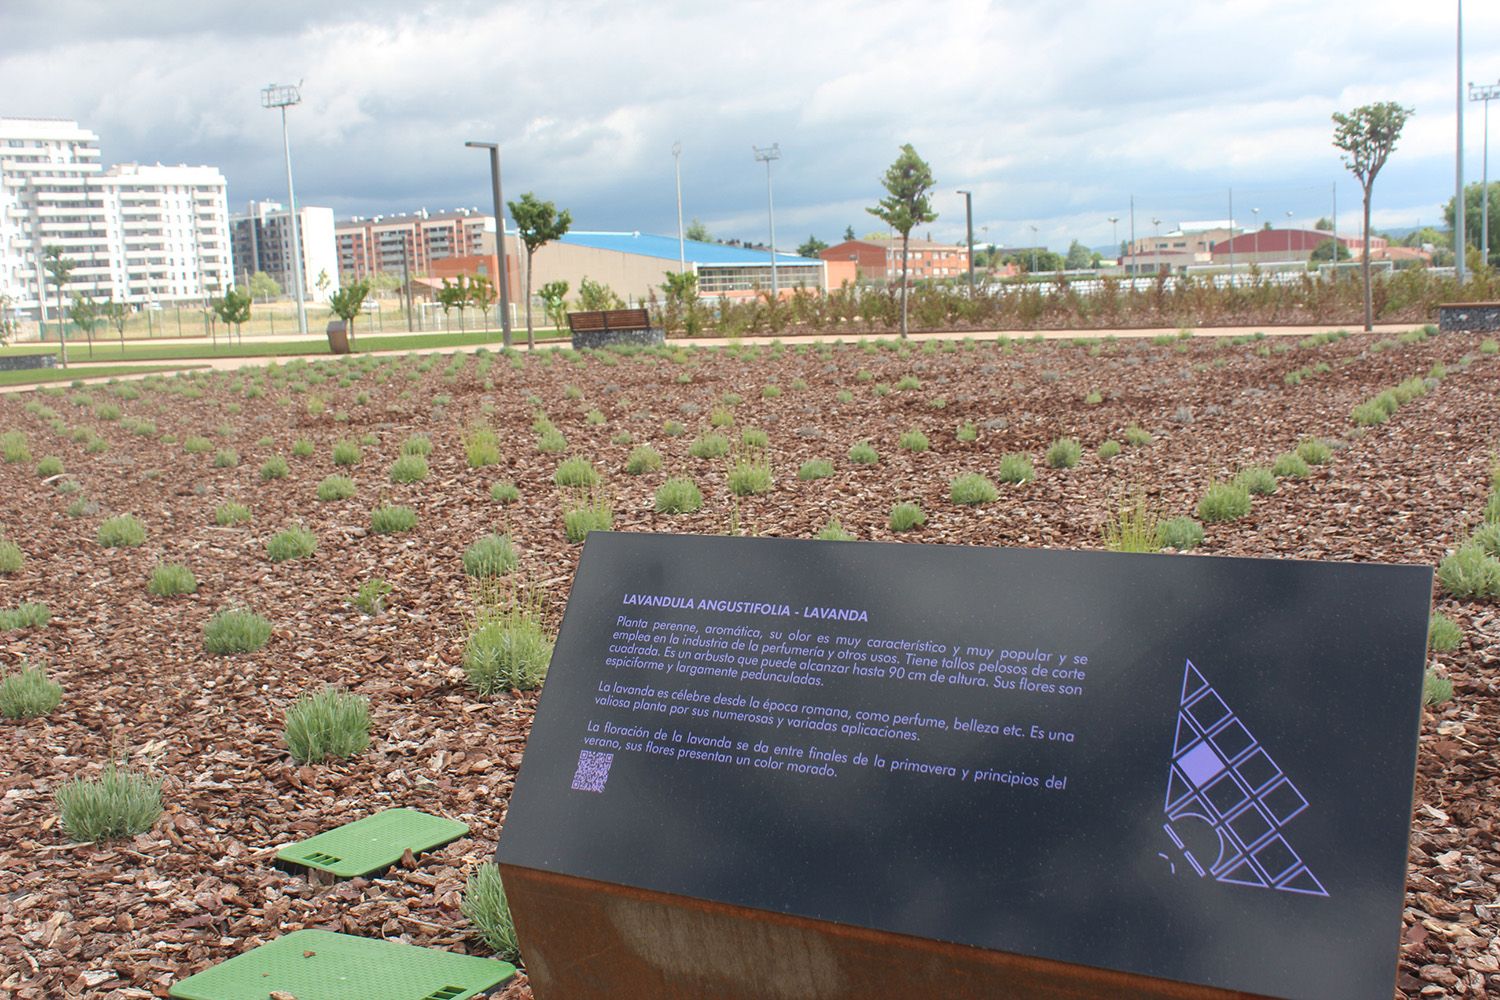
x: 1474, y: 208
x: 1330, y: 250
x: 234, y: 310
x: 59, y: 269
x: 1366, y: 136
x: 84, y: 312
x: 482, y: 294
x: 264, y: 287
x: 596, y: 295
x: 1079, y: 257
x: 907, y: 182
x: 116, y: 314
x: 682, y: 309
x: 455, y: 295
x: 347, y: 302
x: 554, y: 302
x: 539, y: 223
x: 323, y: 281
x: 812, y: 247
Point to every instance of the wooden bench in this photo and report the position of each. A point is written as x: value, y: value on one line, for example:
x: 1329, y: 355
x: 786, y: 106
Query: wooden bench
x: 604, y: 327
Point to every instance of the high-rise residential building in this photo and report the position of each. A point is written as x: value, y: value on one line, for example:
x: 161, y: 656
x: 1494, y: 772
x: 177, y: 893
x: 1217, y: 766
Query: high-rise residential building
x: 137, y: 234
x: 262, y: 238
x: 409, y: 243
x: 169, y: 230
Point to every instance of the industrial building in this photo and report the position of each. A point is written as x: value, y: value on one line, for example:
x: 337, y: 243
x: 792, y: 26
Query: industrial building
x: 878, y: 258
x: 636, y: 264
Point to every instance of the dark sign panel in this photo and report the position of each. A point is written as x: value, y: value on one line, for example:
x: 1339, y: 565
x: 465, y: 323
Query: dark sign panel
x: 1186, y: 767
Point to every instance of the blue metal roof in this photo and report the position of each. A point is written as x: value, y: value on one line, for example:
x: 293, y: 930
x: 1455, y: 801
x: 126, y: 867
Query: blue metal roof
x: 665, y: 247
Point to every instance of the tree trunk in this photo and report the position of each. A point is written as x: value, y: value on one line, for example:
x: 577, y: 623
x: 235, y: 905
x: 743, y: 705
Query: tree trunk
x: 62, y: 328
x: 1364, y: 262
x: 905, y: 243
x: 530, y: 342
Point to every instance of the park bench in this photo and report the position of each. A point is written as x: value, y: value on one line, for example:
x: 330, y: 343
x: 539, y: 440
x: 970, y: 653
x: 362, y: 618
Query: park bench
x: 605, y: 327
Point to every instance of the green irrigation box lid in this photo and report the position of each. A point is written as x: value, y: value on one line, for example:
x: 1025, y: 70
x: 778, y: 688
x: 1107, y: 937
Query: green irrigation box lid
x: 323, y: 965
x: 372, y: 844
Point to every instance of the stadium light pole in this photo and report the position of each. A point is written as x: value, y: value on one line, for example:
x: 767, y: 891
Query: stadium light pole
x: 504, y: 275
x: 969, y: 227
x: 1485, y: 94
x: 281, y: 97
x: 766, y: 155
x: 681, y: 239
x: 1459, y: 237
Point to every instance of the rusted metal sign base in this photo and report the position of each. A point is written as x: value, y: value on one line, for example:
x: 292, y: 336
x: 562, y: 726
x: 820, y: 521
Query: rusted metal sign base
x: 588, y: 940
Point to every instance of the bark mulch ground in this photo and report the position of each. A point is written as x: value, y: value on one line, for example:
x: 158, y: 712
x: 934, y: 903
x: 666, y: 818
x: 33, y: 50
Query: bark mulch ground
x: 125, y: 919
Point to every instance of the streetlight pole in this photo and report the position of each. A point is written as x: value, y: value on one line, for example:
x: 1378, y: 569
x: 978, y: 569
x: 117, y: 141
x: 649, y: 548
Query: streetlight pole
x: 1485, y: 94
x: 283, y: 96
x: 1255, y: 241
x: 504, y: 276
x: 1156, y: 242
x: 1033, y: 247
x: 969, y: 226
x: 1114, y: 232
x: 1459, y: 237
x: 681, y: 239
x: 766, y: 155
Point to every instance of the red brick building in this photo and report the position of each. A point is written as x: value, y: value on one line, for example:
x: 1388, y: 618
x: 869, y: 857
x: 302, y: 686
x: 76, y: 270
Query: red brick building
x: 401, y: 244
x: 879, y: 258
x: 1265, y: 246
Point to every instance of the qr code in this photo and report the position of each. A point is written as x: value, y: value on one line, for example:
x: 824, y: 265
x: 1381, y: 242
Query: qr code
x: 593, y: 771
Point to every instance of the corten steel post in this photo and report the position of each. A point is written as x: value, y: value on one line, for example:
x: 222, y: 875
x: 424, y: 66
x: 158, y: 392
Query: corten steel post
x: 283, y: 97
x: 1485, y: 94
x: 504, y: 275
x: 969, y: 224
x: 766, y: 155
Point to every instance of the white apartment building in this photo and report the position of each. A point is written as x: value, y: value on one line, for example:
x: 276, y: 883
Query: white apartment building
x: 262, y: 238
x: 138, y: 234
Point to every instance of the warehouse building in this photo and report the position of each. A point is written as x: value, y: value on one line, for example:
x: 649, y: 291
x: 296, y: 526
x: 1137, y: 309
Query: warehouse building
x: 634, y: 265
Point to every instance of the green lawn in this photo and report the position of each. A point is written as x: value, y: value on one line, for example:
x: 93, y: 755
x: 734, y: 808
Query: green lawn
x: 38, y: 376
x: 313, y: 344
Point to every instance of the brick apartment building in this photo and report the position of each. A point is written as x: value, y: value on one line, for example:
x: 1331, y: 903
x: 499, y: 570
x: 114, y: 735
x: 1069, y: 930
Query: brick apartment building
x: 879, y: 258
x: 408, y: 243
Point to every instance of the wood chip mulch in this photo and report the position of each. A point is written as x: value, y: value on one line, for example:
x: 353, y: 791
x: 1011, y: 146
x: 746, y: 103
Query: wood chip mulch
x: 126, y: 919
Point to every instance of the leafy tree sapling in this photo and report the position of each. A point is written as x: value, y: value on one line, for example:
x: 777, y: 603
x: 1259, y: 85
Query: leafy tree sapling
x: 539, y: 223
x: 907, y: 182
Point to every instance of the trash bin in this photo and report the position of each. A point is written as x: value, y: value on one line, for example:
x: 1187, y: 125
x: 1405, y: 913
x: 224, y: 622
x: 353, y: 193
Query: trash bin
x: 338, y: 336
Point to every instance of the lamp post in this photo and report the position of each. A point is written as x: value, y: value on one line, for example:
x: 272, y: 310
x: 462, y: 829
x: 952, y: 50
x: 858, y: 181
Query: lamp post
x: 681, y: 240
x: 1255, y: 241
x: 1460, y: 240
x: 504, y: 275
x: 1485, y: 94
x: 766, y: 155
x: 1114, y: 232
x: 1156, y: 242
x: 1033, y: 248
x: 969, y: 227
x: 283, y: 96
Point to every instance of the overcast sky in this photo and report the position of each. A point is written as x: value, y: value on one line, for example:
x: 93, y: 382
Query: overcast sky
x: 1052, y: 114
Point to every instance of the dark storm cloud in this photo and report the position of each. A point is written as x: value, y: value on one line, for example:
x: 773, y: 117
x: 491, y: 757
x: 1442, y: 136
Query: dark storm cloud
x: 1053, y: 116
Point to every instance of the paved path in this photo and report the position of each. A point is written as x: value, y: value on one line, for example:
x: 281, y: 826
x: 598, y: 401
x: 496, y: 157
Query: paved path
x: 232, y: 363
